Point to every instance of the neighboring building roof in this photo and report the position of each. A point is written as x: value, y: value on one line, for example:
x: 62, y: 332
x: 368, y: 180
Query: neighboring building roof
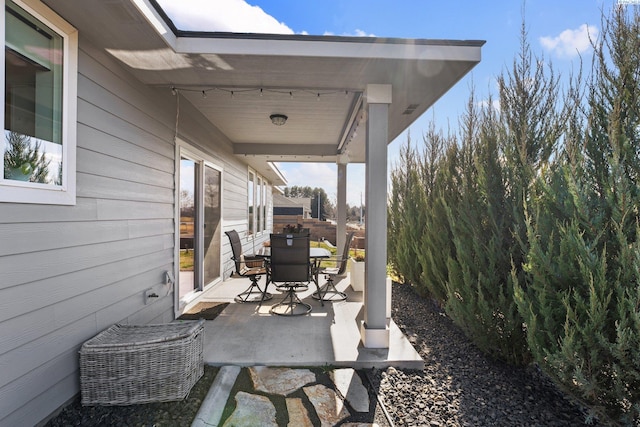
x: 280, y: 201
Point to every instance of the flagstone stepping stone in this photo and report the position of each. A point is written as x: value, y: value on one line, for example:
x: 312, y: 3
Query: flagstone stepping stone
x: 281, y: 381
x: 328, y: 405
x: 298, y: 415
x: 252, y: 410
x: 349, y: 384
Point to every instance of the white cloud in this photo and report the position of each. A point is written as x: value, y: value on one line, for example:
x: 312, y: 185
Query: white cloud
x: 362, y: 33
x: 222, y: 15
x: 321, y: 175
x: 356, y: 33
x: 570, y: 43
x: 235, y: 16
x: 495, y: 104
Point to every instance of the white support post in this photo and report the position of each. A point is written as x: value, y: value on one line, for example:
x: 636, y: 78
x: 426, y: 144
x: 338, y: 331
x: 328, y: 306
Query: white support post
x: 341, y: 228
x: 374, y: 330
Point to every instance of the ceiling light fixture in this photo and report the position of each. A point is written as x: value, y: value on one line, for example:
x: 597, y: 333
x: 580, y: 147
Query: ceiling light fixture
x: 278, y: 119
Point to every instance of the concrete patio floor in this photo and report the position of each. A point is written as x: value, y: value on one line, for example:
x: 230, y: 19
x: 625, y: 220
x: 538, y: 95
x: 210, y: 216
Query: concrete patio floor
x: 247, y: 334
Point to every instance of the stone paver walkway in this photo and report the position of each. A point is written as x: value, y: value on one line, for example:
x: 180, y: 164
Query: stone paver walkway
x: 328, y: 404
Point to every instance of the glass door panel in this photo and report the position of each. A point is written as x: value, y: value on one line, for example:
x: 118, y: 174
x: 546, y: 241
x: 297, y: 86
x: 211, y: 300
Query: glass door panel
x: 212, y: 224
x: 188, y: 226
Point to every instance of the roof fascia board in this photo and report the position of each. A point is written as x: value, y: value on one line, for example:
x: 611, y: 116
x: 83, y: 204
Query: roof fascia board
x: 277, y: 171
x: 159, y: 21
x: 369, y: 48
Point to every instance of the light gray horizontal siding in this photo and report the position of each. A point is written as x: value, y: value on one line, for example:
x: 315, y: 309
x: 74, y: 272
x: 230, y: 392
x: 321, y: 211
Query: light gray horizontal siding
x: 42, y: 293
x: 69, y: 272
x: 25, y: 268
x: 36, y: 237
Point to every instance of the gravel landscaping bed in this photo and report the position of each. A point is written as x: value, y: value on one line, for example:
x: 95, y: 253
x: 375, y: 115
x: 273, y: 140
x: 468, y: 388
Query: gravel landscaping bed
x: 460, y: 386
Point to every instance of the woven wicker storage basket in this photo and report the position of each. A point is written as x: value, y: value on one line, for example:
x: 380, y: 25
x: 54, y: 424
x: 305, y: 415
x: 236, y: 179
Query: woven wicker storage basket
x: 126, y: 365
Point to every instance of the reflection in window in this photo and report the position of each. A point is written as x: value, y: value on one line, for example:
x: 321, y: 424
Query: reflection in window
x: 259, y: 210
x: 188, y: 211
x: 264, y: 205
x: 33, y: 99
x: 251, y: 201
x: 257, y: 188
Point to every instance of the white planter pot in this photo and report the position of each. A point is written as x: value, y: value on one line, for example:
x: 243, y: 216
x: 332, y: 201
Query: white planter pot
x: 357, y: 275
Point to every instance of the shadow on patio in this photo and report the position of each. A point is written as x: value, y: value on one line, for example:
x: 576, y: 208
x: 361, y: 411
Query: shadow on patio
x: 248, y: 335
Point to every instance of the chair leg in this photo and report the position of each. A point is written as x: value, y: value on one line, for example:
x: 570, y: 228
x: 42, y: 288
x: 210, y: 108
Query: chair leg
x: 289, y: 303
x: 254, y: 293
x: 329, y: 292
x: 316, y: 280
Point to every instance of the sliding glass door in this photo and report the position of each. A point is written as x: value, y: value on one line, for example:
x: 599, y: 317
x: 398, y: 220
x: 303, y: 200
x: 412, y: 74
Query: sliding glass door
x: 200, y: 218
x: 188, y: 238
x: 212, y: 224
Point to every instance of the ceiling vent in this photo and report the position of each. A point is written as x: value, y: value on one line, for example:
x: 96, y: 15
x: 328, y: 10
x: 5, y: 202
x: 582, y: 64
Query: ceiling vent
x: 411, y: 108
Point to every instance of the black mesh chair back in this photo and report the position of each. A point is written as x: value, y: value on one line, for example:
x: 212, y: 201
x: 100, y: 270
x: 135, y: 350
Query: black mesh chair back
x: 341, y: 263
x: 290, y: 266
x: 290, y: 258
x: 236, y: 249
x: 329, y: 292
x: 248, y: 266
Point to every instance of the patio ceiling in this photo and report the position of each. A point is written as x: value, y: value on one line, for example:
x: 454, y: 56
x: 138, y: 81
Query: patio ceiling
x: 318, y: 82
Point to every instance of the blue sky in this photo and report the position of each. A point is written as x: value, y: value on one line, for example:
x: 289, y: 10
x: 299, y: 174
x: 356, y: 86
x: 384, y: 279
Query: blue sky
x: 557, y: 30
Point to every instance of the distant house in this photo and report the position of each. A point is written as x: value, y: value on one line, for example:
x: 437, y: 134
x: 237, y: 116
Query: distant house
x: 291, y: 206
x: 131, y: 146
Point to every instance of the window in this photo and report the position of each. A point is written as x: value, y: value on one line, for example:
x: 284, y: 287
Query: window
x: 256, y: 203
x: 264, y: 205
x: 259, y: 206
x: 40, y: 75
x: 251, y: 200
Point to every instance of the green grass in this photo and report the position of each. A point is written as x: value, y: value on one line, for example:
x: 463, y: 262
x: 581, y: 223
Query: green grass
x: 186, y: 260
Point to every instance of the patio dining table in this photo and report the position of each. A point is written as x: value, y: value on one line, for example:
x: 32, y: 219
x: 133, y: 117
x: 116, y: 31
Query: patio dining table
x: 314, y: 253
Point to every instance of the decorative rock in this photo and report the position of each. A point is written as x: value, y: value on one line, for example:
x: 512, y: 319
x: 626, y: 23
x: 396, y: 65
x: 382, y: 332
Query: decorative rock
x: 282, y: 381
x: 328, y: 405
x: 298, y: 415
x: 252, y: 410
x: 350, y: 386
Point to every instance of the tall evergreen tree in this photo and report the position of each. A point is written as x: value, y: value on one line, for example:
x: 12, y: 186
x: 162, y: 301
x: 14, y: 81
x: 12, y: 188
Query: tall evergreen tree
x: 440, y: 178
x: 318, y: 196
x: 581, y: 302
x: 480, y: 295
x: 404, y: 218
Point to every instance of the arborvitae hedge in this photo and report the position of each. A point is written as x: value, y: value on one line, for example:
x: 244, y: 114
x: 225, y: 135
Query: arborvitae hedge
x: 582, y: 302
x: 525, y: 225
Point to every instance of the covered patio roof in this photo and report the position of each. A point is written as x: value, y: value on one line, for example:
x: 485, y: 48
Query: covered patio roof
x: 238, y: 80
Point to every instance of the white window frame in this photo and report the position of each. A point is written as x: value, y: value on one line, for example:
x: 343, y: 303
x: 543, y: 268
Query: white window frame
x: 251, y: 202
x: 30, y: 192
x: 260, y: 186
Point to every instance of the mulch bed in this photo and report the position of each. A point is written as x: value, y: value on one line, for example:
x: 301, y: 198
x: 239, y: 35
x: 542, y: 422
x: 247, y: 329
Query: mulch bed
x: 179, y: 413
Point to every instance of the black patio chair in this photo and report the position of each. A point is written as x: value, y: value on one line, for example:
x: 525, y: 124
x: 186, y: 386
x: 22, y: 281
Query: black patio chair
x: 328, y: 291
x: 250, y: 266
x: 291, y: 270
